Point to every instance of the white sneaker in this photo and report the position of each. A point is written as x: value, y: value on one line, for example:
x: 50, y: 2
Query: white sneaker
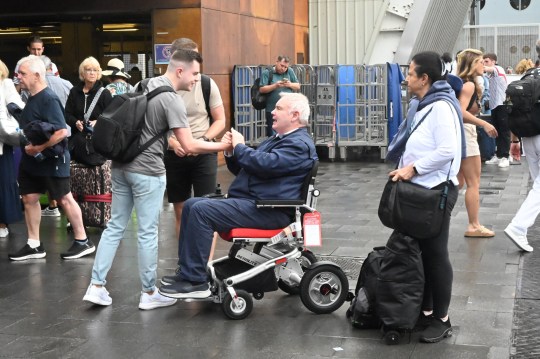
x: 155, y: 300
x: 504, y: 162
x: 519, y: 240
x: 97, y: 295
x: 493, y: 161
x: 4, y: 232
x: 47, y: 212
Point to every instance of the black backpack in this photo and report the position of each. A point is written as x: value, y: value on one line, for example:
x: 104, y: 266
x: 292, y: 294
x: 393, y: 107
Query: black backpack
x: 390, y: 287
x: 117, y: 133
x: 362, y: 309
x: 258, y: 99
x: 523, y: 104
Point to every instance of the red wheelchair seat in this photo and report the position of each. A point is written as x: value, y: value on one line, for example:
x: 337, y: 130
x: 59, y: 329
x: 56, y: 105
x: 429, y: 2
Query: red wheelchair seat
x: 249, y: 233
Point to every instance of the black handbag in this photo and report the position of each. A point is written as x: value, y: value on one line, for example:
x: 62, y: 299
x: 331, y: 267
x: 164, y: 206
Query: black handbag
x: 82, y: 150
x: 412, y: 209
x: 80, y: 145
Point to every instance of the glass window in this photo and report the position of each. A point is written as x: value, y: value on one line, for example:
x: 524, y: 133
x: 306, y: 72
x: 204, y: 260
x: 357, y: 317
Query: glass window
x: 520, y: 4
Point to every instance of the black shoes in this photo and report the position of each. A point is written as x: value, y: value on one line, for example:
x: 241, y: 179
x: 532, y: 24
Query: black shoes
x: 171, y: 279
x: 78, y: 250
x: 436, y: 331
x: 423, y: 322
x: 27, y: 252
x: 184, y: 289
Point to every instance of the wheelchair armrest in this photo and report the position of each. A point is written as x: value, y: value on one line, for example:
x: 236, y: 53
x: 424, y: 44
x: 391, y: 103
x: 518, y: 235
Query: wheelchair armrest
x: 279, y: 203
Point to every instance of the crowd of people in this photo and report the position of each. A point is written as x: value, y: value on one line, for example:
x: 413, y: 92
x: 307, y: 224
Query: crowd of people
x: 442, y: 150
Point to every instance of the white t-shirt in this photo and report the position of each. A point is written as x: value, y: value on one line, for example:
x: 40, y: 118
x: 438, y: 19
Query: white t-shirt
x: 434, y: 144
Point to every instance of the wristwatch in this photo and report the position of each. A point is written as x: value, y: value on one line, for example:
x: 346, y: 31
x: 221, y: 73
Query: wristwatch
x: 207, y: 139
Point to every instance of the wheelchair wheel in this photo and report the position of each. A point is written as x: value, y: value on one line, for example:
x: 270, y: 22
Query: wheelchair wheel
x: 241, y: 311
x: 324, y: 289
x: 305, y: 261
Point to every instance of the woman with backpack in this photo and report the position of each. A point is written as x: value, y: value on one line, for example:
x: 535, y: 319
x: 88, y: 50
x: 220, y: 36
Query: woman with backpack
x: 431, y: 159
x: 470, y: 67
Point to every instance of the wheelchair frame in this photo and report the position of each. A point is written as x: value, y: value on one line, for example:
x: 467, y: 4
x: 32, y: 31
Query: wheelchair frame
x: 322, y: 285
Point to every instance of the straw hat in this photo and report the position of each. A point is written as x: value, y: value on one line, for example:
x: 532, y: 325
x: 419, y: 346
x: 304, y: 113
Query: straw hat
x: 115, y: 67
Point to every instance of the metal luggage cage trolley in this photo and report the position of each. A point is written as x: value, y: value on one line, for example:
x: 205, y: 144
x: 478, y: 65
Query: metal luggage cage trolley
x: 249, y: 122
x: 361, y: 115
x: 324, y: 133
x: 307, y: 77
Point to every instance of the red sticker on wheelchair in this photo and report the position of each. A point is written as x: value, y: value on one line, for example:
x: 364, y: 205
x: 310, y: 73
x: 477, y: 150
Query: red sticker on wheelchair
x: 312, y: 229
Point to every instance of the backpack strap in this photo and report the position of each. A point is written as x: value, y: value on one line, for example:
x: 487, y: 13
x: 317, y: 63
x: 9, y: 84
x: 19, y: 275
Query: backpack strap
x: 150, y: 96
x: 270, y: 74
x: 206, y: 89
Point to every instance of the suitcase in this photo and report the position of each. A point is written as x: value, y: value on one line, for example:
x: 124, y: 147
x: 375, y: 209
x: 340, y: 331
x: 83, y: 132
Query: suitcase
x: 92, y: 189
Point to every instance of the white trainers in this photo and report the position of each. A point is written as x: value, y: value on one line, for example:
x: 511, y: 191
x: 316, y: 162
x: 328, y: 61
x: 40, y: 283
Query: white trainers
x: 503, y: 162
x: 493, y: 161
x: 47, y: 212
x: 519, y: 240
x: 4, y: 232
x: 154, y: 301
x: 97, y: 295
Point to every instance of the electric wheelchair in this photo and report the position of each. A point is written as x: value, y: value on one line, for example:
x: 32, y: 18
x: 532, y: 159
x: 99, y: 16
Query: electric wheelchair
x: 261, y: 261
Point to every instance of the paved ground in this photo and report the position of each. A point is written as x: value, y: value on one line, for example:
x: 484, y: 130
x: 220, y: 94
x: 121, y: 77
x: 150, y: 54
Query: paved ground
x: 42, y: 314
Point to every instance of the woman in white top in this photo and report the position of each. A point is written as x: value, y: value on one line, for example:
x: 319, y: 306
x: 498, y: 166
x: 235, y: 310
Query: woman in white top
x: 10, y: 203
x: 432, y: 154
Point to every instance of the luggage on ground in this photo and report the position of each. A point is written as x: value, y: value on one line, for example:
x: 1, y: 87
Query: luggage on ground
x: 92, y: 188
x: 390, y: 288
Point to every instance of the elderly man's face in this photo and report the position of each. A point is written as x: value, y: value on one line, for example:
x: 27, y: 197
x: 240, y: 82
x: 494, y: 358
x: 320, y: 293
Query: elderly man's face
x: 284, y: 119
x: 27, y: 79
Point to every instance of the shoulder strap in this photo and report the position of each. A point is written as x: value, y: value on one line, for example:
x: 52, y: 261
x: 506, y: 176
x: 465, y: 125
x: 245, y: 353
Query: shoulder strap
x: 149, y: 96
x: 157, y: 91
x: 419, y: 122
x: 206, y: 88
x: 142, y: 84
x: 88, y: 112
x: 270, y: 74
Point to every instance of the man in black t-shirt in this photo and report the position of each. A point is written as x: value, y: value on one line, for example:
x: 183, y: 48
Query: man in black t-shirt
x: 42, y: 169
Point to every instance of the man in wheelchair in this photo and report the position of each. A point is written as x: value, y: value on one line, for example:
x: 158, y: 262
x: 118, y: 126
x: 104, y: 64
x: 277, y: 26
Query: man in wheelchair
x: 274, y: 170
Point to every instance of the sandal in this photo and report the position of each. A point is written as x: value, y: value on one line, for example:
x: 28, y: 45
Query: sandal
x: 480, y: 232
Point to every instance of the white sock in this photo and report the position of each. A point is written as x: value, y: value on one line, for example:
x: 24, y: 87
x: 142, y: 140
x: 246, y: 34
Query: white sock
x: 445, y: 319
x: 428, y: 313
x: 34, y: 243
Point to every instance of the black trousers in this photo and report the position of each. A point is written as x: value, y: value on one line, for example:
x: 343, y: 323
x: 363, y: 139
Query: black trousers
x: 437, y: 267
x: 499, y: 118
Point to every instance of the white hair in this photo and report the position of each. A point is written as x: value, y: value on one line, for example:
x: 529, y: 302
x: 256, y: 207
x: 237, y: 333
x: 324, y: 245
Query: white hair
x: 35, y: 65
x: 298, y: 102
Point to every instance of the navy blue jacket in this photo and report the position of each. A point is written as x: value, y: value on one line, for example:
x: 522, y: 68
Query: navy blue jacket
x: 275, y: 170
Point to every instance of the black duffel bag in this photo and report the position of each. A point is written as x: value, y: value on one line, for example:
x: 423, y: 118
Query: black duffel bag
x: 412, y: 209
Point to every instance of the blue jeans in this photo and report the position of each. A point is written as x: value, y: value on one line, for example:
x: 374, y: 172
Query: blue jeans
x: 145, y: 193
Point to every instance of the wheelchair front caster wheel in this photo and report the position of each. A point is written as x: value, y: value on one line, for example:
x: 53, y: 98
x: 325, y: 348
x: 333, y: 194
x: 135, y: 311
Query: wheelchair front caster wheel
x: 258, y: 296
x: 324, y: 289
x: 239, y: 310
x: 392, y: 337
